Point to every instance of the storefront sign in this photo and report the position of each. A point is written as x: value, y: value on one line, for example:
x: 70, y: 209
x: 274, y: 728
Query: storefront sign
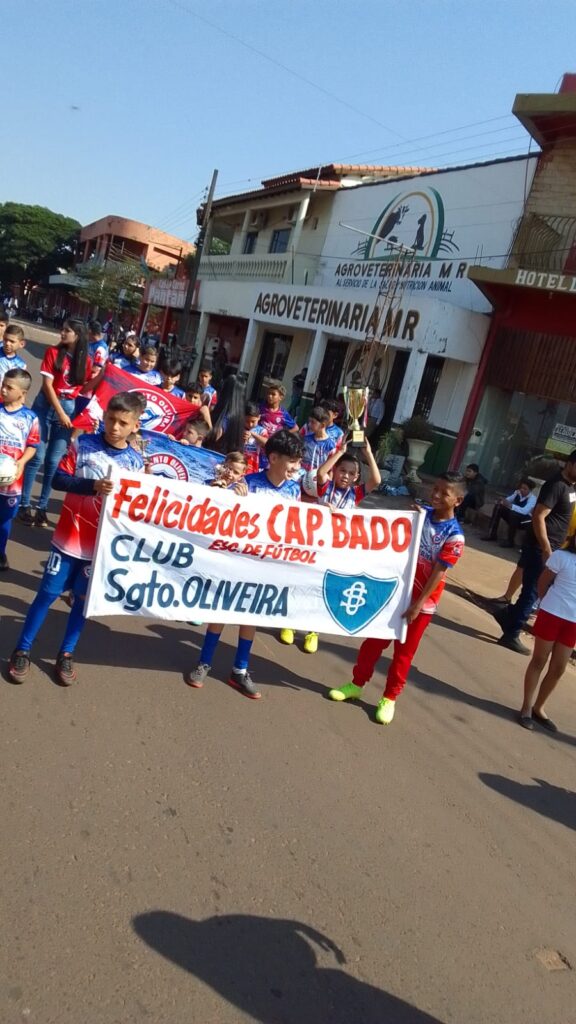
x: 549, y: 282
x: 165, y: 291
x: 421, y: 233
x: 562, y: 439
x: 352, y: 317
x: 180, y: 551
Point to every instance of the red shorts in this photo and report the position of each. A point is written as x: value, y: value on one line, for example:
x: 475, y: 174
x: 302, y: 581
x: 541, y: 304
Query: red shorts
x: 553, y: 628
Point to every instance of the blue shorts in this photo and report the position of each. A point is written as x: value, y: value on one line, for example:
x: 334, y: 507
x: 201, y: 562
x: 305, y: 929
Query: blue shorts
x: 64, y: 572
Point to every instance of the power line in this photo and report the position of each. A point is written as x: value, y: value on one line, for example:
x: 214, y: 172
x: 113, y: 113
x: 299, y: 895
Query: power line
x: 285, y: 67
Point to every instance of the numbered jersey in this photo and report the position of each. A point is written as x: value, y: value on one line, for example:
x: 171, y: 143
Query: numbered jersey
x: 442, y: 543
x: 88, y: 458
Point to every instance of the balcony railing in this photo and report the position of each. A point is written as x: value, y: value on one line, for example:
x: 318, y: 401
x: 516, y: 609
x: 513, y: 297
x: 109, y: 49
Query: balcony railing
x: 545, y: 242
x: 285, y: 268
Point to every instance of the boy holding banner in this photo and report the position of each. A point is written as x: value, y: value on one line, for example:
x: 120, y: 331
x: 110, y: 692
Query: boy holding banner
x: 284, y: 453
x: 82, y: 473
x: 441, y: 545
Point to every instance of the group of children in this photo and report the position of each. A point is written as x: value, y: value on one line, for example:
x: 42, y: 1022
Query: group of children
x: 278, y: 458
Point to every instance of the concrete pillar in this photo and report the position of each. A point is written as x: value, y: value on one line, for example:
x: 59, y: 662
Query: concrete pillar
x: 238, y: 249
x: 291, y: 272
x: 410, y: 385
x: 315, y: 361
x: 247, y: 356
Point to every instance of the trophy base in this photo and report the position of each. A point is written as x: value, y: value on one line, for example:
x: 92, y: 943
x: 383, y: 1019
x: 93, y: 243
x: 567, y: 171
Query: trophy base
x: 357, y: 440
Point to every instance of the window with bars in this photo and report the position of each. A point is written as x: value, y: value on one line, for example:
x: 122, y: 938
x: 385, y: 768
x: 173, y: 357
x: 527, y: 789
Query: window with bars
x: 250, y: 243
x: 279, y: 241
x: 428, y: 386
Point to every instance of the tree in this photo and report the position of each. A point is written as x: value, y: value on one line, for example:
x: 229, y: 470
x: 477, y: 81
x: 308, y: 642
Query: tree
x: 219, y: 247
x: 111, y: 285
x: 34, y: 243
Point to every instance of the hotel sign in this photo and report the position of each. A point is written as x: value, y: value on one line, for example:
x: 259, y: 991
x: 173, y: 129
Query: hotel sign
x: 549, y: 282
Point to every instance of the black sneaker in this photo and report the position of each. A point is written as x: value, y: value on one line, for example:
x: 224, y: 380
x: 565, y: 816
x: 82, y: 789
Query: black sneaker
x: 513, y: 644
x: 19, y: 666
x: 41, y: 519
x: 25, y: 515
x: 3, y: 563
x: 243, y: 682
x: 198, y: 675
x: 65, y: 671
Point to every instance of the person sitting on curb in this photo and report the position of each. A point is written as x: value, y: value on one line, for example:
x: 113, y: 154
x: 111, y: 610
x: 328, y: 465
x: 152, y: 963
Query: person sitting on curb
x: 515, y: 510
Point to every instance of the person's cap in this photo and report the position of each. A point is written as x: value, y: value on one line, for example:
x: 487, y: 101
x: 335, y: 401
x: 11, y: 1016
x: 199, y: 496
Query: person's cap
x: 130, y: 334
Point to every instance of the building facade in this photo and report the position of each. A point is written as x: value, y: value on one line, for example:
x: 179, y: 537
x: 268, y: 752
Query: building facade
x: 111, y: 239
x: 523, y: 403
x: 372, y: 273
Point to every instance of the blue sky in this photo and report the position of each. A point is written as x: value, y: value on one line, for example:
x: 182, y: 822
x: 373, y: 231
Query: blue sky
x: 163, y: 97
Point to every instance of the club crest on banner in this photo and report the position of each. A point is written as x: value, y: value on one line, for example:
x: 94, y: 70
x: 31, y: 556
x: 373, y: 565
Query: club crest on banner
x: 159, y: 412
x: 354, y: 601
x: 168, y: 466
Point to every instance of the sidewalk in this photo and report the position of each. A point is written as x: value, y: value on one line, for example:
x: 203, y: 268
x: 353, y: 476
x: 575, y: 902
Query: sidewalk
x: 483, y: 569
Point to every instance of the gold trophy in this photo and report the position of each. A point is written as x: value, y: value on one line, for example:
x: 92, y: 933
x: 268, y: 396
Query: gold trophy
x: 356, y: 402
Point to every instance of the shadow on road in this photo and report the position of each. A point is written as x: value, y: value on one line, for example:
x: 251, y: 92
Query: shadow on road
x: 551, y: 801
x: 268, y: 969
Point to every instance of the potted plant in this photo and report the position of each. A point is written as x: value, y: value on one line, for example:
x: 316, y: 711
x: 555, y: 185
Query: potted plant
x: 419, y: 434
x: 388, y: 444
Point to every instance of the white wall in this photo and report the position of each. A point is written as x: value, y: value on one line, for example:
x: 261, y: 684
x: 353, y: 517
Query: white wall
x: 464, y: 216
x: 441, y: 329
x: 452, y: 395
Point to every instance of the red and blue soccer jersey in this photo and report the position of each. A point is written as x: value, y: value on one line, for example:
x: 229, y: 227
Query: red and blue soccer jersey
x: 19, y: 430
x: 61, y: 377
x: 336, y: 433
x: 442, y: 543
x: 254, y: 452
x: 9, y: 363
x: 88, y: 458
x: 258, y: 483
x: 276, y: 419
x: 316, y: 450
x: 340, y: 497
x: 98, y: 352
x: 211, y: 396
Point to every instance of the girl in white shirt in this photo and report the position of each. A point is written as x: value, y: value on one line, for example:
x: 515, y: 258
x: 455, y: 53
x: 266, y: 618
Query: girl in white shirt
x: 554, y: 635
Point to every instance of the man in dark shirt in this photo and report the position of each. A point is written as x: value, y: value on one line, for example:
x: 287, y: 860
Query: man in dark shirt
x: 547, y: 532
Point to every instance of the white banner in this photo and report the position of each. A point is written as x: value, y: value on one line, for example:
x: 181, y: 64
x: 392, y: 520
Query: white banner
x: 172, y: 550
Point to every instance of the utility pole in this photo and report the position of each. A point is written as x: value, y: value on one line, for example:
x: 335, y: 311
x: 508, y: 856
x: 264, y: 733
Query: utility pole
x: 189, y: 319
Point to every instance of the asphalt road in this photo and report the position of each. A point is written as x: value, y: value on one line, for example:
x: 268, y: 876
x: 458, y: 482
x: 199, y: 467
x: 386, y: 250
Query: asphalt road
x: 190, y: 857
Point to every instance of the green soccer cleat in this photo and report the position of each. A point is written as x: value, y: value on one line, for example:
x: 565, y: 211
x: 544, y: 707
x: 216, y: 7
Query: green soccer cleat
x: 385, y: 711
x: 311, y: 643
x: 347, y: 692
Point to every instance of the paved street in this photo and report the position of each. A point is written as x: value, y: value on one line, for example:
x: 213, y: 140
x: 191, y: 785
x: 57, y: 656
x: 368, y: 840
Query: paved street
x: 189, y: 857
